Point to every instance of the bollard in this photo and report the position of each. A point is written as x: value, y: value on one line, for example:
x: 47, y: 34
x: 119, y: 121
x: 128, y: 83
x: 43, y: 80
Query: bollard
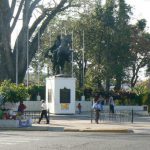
x: 91, y: 115
x: 48, y: 115
x: 132, y: 116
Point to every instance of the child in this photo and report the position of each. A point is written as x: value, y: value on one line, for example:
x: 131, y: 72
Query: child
x: 79, y: 108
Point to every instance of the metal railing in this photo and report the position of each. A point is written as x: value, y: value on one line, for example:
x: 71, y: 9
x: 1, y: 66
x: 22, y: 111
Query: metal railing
x: 34, y: 115
x: 118, y: 116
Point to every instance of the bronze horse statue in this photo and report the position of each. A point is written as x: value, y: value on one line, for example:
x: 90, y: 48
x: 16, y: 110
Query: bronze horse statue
x: 60, y: 53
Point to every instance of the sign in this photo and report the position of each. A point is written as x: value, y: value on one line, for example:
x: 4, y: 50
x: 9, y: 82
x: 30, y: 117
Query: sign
x: 65, y: 95
x: 64, y: 106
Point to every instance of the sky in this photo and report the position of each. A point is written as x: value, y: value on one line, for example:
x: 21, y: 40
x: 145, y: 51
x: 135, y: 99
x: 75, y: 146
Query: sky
x: 141, y: 9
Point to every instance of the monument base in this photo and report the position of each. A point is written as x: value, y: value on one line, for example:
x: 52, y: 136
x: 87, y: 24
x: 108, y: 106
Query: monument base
x: 60, y: 94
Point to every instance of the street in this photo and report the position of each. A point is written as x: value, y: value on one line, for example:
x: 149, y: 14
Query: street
x: 39, y: 140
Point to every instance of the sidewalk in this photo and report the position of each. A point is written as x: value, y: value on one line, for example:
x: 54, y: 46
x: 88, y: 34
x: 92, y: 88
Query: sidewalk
x: 82, y: 123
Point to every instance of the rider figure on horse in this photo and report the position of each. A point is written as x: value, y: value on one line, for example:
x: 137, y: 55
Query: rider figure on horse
x: 60, y: 53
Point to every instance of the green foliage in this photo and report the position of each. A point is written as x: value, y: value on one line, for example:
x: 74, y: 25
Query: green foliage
x: 140, y: 89
x: 13, y: 93
x: 35, y: 90
x: 112, y: 45
x: 141, y: 24
x: 1, y: 114
x: 144, y: 99
x: 118, y: 102
x: 79, y: 93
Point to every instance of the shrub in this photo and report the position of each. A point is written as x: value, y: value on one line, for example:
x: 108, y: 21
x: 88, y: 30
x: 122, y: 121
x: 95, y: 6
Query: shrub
x: 12, y: 93
x: 36, y: 90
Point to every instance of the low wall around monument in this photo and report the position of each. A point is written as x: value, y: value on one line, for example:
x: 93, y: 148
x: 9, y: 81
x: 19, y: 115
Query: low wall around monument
x: 141, y: 110
x: 87, y: 105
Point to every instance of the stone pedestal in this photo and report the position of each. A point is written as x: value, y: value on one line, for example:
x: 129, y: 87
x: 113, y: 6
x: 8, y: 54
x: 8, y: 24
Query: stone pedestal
x: 60, y: 95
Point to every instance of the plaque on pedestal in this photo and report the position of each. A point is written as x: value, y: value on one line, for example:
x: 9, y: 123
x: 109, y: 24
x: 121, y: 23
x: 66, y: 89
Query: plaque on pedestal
x: 65, y: 95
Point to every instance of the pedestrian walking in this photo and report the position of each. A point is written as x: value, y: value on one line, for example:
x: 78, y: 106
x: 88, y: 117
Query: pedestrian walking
x: 97, y: 108
x: 44, y: 112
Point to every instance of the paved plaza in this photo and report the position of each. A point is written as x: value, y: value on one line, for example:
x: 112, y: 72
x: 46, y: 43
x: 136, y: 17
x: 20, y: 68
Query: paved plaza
x: 82, y: 123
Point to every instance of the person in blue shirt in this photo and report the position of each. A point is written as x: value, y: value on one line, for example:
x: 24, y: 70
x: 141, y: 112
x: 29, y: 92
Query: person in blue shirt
x: 97, y: 108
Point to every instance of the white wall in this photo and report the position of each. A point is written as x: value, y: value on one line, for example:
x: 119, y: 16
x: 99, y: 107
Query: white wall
x: 55, y: 84
x: 86, y: 106
x: 30, y: 105
x: 33, y: 105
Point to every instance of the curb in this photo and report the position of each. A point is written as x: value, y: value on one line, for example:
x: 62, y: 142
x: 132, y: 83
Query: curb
x: 24, y: 129
x: 62, y: 129
x: 100, y: 130
x: 55, y: 129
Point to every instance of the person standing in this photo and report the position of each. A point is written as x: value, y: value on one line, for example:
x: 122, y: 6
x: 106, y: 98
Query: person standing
x: 44, y: 112
x: 79, y: 108
x: 111, y: 105
x: 101, y: 99
x: 21, y: 108
x: 97, y: 108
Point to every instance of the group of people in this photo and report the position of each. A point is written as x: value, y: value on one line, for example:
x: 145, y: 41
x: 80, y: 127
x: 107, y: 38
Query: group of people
x: 22, y: 107
x: 98, y: 104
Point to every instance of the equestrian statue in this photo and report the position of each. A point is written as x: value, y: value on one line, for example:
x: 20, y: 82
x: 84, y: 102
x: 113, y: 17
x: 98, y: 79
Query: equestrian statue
x: 60, y: 53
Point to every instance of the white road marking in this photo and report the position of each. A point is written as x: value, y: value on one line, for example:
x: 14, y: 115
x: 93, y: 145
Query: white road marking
x: 13, y: 141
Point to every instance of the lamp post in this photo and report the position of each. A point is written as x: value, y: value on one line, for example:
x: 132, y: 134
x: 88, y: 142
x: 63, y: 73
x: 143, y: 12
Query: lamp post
x: 38, y: 96
x: 72, y: 56
x: 17, y: 62
x: 27, y: 57
x: 83, y: 97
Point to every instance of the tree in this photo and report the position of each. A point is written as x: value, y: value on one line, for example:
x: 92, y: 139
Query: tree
x: 122, y: 42
x: 27, y: 38
x: 104, y: 49
x: 13, y: 93
x: 107, y: 19
x: 110, y: 41
x: 139, y: 49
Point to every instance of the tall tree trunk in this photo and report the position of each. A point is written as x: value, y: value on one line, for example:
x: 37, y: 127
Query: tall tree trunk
x: 8, y: 22
x: 107, y: 84
x: 6, y: 62
x: 118, y: 83
x: 134, y: 78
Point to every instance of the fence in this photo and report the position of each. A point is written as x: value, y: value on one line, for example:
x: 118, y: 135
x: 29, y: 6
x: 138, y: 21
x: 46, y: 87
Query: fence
x: 34, y: 115
x: 118, y: 116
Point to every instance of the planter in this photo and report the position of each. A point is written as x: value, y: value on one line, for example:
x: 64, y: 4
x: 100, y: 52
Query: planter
x: 15, y: 123
x: 9, y: 123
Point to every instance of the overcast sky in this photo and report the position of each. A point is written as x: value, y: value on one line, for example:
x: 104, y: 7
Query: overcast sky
x: 141, y: 9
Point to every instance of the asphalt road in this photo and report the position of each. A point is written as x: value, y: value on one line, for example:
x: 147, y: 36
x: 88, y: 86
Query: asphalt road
x: 31, y: 140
